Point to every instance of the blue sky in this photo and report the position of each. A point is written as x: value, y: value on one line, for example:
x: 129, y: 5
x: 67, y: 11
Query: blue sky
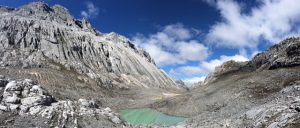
x: 188, y: 38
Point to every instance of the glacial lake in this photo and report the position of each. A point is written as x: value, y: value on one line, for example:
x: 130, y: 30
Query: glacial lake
x: 148, y: 116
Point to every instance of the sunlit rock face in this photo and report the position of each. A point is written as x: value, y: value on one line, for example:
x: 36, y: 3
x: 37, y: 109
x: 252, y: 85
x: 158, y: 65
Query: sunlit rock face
x: 37, y: 35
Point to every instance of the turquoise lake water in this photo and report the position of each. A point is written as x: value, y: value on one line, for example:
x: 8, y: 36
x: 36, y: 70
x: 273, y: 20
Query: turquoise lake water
x: 147, y: 116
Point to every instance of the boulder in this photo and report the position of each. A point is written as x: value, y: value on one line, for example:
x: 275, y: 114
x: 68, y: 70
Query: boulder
x: 37, y: 90
x: 11, y: 99
x: 27, y: 83
x: 87, y: 104
x: 25, y: 98
x: 116, y: 120
x: 3, y: 108
x: 31, y: 101
x: 13, y: 86
x: 25, y: 92
x: 24, y: 108
x: 84, y: 103
x: 107, y: 109
x: 13, y: 107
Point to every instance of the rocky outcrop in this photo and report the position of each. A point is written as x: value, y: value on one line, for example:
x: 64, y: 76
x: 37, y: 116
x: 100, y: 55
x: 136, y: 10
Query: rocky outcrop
x: 284, y: 54
x: 227, y: 67
x: 25, y: 93
x: 37, y: 35
x: 281, y: 112
x: 27, y: 98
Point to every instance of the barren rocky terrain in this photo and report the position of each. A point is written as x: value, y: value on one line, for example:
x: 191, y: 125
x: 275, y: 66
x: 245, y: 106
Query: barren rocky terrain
x: 263, y: 92
x: 57, y: 71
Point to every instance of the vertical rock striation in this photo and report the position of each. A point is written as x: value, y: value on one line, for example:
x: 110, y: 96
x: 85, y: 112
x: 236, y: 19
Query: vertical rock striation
x: 37, y: 35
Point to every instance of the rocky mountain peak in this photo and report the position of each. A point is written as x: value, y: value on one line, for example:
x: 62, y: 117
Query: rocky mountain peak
x: 230, y: 66
x: 284, y: 54
x: 42, y: 11
x: 37, y: 35
x: 35, y: 8
x: 281, y: 55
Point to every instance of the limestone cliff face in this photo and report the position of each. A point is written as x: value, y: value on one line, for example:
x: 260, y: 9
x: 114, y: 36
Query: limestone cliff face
x: 37, y: 35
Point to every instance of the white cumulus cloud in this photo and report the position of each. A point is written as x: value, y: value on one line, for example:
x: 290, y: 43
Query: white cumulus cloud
x: 189, y: 70
x: 174, y: 44
x: 91, y: 12
x: 272, y: 21
x: 190, y: 81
